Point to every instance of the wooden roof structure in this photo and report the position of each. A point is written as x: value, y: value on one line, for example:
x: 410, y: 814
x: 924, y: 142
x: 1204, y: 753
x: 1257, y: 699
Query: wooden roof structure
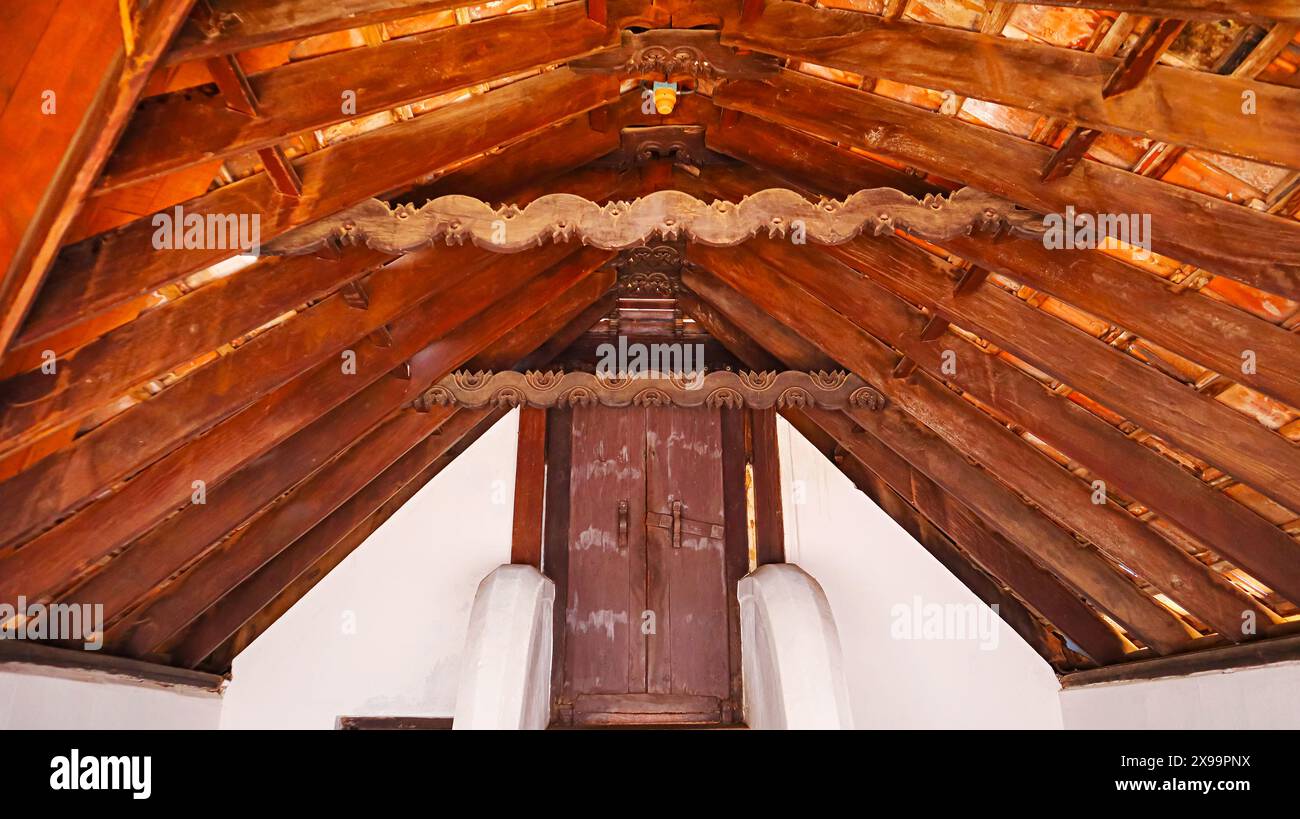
x: 1103, y: 442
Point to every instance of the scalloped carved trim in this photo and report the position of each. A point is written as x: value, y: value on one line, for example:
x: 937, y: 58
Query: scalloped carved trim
x: 667, y: 214
x: 836, y: 390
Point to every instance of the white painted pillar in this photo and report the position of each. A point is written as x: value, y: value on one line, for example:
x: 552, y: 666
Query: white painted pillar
x: 793, y: 667
x: 505, y: 676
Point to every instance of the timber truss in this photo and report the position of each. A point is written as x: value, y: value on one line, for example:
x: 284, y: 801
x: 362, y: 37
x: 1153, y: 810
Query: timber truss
x: 1103, y: 442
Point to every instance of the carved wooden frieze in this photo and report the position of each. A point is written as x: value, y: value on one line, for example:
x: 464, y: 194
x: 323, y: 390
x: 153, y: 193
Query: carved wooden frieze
x: 835, y: 390
x: 682, y: 144
x: 652, y: 271
x: 665, y: 214
x: 674, y: 54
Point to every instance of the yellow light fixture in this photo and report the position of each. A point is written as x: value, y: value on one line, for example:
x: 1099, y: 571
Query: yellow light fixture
x: 665, y: 97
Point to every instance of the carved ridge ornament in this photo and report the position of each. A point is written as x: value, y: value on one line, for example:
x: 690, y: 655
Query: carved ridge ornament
x: 836, y: 390
x: 667, y: 214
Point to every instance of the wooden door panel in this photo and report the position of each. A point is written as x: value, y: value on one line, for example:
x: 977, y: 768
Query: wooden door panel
x: 687, y: 579
x: 606, y: 589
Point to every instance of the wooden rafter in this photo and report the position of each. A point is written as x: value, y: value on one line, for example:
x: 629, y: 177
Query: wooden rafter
x: 1251, y: 246
x: 62, y: 118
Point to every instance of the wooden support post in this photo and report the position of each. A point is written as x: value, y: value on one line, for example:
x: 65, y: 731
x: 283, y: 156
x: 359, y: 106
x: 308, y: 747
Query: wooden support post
x: 893, y: 9
x: 1140, y: 61
x: 530, y: 488
x: 281, y: 171
x: 766, y: 460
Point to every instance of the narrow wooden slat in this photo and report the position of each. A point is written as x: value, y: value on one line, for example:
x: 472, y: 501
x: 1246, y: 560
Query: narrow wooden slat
x: 100, y: 272
x: 1142, y: 58
x: 257, y: 603
x: 178, y: 130
x: 1256, y: 248
x: 82, y: 61
x: 60, y: 554
x: 530, y: 483
x: 1161, y: 102
x: 1096, y: 282
x: 1254, y: 10
x: 972, y: 543
x: 238, y: 25
x: 1060, y: 494
x: 754, y: 309
x: 513, y: 327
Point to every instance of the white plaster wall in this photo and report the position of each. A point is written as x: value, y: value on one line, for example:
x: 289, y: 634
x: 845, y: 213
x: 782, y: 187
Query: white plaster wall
x: 867, y: 563
x: 33, y: 699
x: 1248, y: 698
x: 382, y: 634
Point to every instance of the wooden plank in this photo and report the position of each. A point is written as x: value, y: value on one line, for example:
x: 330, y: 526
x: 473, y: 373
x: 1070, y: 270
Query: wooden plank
x: 178, y: 130
x: 1060, y: 494
x: 736, y: 515
x: 769, y: 527
x: 255, y: 604
x: 56, y: 557
x: 238, y: 25
x: 82, y: 67
x: 25, y: 656
x: 555, y: 560
x: 1251, y: 10
x: 530, y: 488
x: 103, y: 271
x: 941, y: 463
x: 394, y: 723
x: 1096, y: 282
x: 1256, y: 248
x: 1225, y: 658
x: 1051, y: 80
x: 1108, y: 645
x: 168, y: 336
x: 133, y: 577
x: 980, y: 546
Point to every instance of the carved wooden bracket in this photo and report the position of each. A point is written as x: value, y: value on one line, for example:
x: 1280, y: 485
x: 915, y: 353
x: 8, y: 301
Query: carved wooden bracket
x: 835, y: 390
x: 667, y: 214
x: 675, y: 54
x: 652, y: 270
x: 683, y: 144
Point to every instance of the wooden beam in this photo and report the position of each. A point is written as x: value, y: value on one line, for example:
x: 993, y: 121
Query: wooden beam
x: 178, y: 130
x: 1256, y: 248
x: 103, y: 271
x: 1051, y: 80
x: 513, y: 328
x: 56, y: 557
x: 67, y: 108
x: 239, y: 25
x: 1094, y: 281
x: 251, y: 608
x: 1059, y: 493
x: 884, y: 477
x: 754, y: 308
x: 1212, y: 10
x: 24, y: 656
x: 530, y: 491
x: 1225, y: 658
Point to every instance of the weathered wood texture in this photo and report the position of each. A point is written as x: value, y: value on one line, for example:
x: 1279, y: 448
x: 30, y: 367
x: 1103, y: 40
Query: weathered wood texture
x: 93, y: 275
x: 1168, y: 104
x: 62, y: 117
x: 530, y: 488
x: 1256, y: 10
x: 1257, y: 248
x: 180, y: 129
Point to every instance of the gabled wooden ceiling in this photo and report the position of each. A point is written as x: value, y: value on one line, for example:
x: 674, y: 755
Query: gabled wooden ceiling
x: 1080, y: 374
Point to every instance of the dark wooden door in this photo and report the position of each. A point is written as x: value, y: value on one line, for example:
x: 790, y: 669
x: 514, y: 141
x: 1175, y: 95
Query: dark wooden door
x: 646, y: 616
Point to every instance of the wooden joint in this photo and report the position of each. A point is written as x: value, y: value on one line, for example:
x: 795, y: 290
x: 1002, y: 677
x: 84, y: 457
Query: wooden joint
x: 383, y: 337
x: 1141, y: 60
x: 356, y: 294
x: 934, y: 328
x: 904, y: 368
x: 402, y: 371
x: 233, y: 85
x: 1070, y: 153
x: 283, y: 175
x: 970, y: 281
